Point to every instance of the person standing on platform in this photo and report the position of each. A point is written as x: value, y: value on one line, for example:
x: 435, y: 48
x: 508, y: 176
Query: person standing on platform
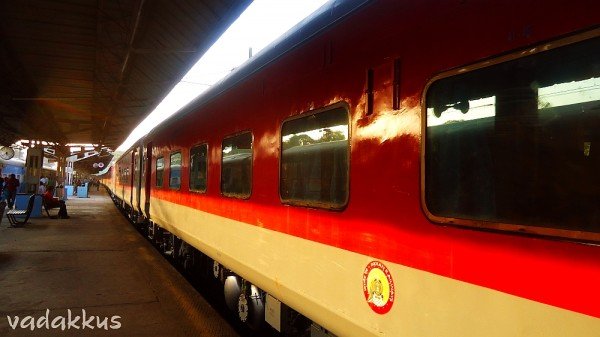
x: 43, y: 181
x: 2, y: 189
x: 77, y: 184
x: 12, y: 185
x: 42, y: 188
x: 5, y: 194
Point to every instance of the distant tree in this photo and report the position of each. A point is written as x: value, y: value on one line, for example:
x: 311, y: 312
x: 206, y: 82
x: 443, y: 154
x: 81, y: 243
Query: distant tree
x: 298, y: 140
x: 331, y: 136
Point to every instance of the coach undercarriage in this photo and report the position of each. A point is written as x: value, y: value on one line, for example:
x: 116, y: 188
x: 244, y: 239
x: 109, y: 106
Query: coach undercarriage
x: 243, y: 300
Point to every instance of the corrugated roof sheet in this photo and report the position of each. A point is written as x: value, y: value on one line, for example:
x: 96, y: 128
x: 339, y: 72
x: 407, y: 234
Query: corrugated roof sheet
x: 75, y: 71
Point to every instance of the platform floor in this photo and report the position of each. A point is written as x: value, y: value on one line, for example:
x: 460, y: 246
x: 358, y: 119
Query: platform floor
x: 95, y: 261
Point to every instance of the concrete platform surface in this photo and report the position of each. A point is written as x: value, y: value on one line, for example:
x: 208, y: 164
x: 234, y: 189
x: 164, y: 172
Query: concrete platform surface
x: 55, y: 274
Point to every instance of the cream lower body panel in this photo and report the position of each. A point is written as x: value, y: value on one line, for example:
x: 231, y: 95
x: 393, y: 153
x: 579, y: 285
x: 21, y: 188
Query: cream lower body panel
x: 125, y: 196
x: 324, y: 283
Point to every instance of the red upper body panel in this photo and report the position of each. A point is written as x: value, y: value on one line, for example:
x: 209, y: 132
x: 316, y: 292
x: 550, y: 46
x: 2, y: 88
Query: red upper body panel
x: 383, y: 218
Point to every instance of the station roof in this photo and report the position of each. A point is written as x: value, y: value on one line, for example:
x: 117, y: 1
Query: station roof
x: 88, y: 71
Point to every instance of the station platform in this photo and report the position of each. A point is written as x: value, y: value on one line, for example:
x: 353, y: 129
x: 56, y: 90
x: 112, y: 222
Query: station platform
x: 94, y: 264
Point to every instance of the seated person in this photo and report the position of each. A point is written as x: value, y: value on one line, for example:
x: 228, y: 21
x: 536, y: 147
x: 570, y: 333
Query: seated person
x: 52, y: 202
x: 42, y: 188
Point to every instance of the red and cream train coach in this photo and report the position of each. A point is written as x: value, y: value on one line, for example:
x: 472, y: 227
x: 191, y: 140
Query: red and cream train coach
x: 394, y: 168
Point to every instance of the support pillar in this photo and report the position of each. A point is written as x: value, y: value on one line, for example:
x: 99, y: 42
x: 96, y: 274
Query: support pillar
x: 33, y: 170
x: 69, y: 169
x: 61, y: 178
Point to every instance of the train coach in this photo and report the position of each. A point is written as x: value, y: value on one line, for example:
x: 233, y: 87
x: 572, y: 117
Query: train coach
x: 393, y: 168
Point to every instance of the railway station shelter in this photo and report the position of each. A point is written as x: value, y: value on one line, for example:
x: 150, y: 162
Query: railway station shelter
x: 78, y: 76
x: 76, y: 79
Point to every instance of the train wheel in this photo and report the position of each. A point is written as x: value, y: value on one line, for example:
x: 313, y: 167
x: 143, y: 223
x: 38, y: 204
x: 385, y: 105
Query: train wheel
x: 150, y: 231
x: 170, y: 245
x: 216, y: 269
x: 144, y: 228
x: 187, y: 256
x: 251, y: 308
x: 232, y: 290
x: 159, y: 237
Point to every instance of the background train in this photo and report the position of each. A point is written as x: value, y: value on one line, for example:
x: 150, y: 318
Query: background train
x: 393, y: 168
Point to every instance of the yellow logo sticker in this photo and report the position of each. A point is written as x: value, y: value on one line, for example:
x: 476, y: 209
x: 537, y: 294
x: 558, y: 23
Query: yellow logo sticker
x: 378, y: 287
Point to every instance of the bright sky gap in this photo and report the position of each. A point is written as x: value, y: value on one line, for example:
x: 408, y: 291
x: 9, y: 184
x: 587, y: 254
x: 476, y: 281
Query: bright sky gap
x: 258, y: 26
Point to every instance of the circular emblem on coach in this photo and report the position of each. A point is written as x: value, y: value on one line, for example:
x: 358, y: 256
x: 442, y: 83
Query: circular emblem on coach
x: 378, y: 287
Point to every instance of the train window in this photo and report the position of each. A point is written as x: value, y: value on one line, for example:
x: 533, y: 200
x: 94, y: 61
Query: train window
x: 123, y: 176
x: 175, y: 170
x: 236, y: 168
x: 314, y: 160
x: 510, y: 146
x: 160, y: 167
x: 198, y: 168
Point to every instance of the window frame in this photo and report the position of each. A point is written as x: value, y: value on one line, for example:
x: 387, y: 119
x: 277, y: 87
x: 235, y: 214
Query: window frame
x: 311, y: 204
x: 236, y: 195
x: 171, y: 169
x: 162, y: 181
x: 524, y: 229
x: 190, y: 170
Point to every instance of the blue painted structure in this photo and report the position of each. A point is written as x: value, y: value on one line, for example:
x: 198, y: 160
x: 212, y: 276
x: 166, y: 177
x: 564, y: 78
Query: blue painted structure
x: 82, y: 191
x: 21, y: 203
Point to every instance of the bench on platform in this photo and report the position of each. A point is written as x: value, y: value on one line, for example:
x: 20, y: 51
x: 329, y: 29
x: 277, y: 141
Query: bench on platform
x: 47, y: 209
x: 14, y: 213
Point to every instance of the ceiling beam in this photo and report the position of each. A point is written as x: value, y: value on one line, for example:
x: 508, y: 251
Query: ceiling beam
x: 125, y: 68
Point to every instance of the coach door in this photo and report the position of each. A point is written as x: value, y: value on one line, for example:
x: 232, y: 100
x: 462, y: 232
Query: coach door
x: 131, y: 177
x: 147, y: 177
x: 137, y: 158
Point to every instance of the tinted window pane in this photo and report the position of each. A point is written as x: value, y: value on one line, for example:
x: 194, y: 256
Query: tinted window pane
x: 198, y: 167
x: 514, y: 142
x: 160, y: 167
x: 175, y: 170
x: 236, y: 168
x: 314, y: 160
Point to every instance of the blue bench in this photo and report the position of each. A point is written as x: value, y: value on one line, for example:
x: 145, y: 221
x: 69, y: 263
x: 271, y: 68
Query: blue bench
x: 20, y: 213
